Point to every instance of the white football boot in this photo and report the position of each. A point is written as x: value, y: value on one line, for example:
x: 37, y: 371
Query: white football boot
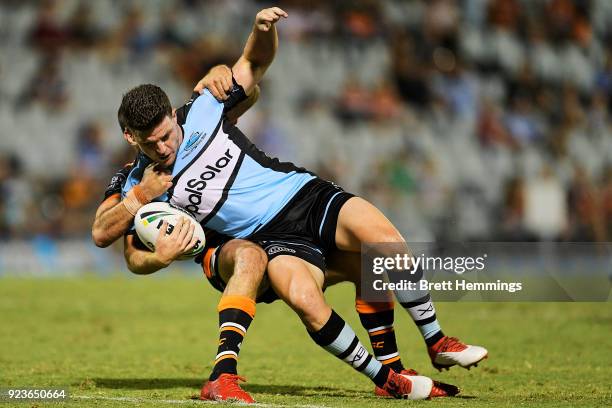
x: 449, y: 351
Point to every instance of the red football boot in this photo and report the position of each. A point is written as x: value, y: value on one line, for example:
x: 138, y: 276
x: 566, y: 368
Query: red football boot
x: 379, y: 392
x: 415, y: 387
x: 439, y: 389
x: 226, y: 388
x: 450, y: 351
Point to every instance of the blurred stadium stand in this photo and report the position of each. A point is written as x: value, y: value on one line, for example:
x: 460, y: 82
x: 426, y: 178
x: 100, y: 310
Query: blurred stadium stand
x: 462, y: 120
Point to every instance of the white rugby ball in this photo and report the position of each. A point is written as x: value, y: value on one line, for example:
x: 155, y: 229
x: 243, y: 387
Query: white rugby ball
x: 149, y: 219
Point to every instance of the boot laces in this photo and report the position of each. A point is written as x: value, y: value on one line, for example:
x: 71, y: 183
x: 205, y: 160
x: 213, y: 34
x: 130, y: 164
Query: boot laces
x: 451, y: 344
x: 230, y: 382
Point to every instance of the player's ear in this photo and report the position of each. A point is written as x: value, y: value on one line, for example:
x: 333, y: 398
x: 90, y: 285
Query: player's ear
x: 129, y: 137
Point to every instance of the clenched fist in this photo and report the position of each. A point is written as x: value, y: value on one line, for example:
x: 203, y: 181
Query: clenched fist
x: 266, y: 17
x: 155, y: 182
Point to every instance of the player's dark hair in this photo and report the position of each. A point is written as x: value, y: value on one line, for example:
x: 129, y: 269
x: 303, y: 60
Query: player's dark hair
x: 143, y: 108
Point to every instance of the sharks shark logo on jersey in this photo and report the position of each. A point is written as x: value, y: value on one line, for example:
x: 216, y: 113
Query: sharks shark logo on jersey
x: 193, y: 142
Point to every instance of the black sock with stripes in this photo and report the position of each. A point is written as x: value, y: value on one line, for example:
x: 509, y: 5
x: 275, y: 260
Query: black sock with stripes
x: 337, y: 337
x: 382, y: 337
x: 233, y: 324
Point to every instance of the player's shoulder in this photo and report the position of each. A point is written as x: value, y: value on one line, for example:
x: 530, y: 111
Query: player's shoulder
x: 205, y: 103
x: 133, y: 169
x: 198, y: 107
x: 181, y: 113
x: 118, y: 179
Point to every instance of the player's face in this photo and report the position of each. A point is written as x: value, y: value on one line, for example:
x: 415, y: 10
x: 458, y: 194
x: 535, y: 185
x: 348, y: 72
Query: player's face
x: 162, y: 144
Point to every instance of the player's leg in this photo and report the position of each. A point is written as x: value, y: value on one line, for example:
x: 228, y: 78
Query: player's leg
x: 360, y: 222
x: 376, y: 317
x: 242, y: 265
x: 299, y: 284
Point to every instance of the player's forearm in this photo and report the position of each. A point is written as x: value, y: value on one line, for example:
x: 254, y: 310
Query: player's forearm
x: 261, y: 47
x: 111, y: 225
x: 143, y: 262
x: 115, y: 216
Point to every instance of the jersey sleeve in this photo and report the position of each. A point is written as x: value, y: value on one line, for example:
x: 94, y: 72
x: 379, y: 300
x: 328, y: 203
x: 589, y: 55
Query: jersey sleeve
x: 117, y: 181
x: 236, y: 95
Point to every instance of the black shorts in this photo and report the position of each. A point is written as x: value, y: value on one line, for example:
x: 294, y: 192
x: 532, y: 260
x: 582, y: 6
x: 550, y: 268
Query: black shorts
x: 306, y: 225
x: 304, y: 228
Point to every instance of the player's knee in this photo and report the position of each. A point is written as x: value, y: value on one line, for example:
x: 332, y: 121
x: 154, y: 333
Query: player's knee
x: 389, y: 235
x: 253, y: 258
x: 310, y: 305
x: 379, y: 234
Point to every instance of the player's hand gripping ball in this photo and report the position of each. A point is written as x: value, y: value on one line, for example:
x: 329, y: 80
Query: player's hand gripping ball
x: 150, y: 218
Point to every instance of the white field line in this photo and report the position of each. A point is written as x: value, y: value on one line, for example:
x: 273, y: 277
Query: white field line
x: 189, y: 401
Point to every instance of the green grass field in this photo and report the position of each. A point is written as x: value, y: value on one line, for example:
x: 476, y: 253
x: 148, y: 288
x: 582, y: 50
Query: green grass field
x: 149, y: 341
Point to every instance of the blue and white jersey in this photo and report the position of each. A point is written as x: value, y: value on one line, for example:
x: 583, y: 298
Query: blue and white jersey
x: 221, y: 178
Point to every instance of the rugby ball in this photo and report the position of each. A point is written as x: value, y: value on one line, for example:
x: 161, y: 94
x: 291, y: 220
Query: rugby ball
x: 150, y: 217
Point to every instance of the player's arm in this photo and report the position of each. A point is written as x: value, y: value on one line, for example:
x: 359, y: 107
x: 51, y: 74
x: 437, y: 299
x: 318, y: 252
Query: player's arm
x: 111, y: 221
x: 168, y: 247
x: 115, y: 216
x: 237, y: 111
x: 259, y: 50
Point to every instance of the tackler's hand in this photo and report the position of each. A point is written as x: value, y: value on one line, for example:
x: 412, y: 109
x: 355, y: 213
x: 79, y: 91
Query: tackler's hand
x: 267, y: 17
x: 218, y: 81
